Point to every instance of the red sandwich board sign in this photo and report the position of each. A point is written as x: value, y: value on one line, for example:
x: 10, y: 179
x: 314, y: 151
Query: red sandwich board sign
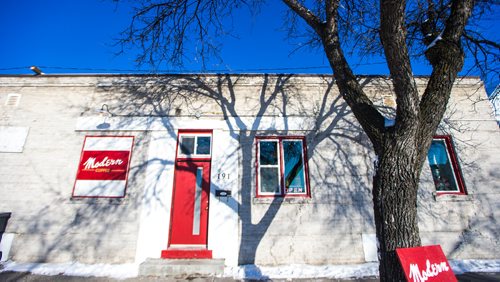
x: 103, y: 167
x: 427, y: 263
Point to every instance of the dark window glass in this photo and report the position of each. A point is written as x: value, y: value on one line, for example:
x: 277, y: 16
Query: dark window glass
x: 187, y: 145
x: 441, y: 167
x: 269, y: 180
x: 268, y: 153
x: 203, y: 147
x: 294, y: 167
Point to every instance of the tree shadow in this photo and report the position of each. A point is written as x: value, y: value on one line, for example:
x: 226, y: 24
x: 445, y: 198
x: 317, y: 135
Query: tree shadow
x: 338, y: 156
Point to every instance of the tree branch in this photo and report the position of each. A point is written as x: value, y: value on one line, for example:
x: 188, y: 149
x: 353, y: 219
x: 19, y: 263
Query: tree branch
x: 364, y: 110
x: 362, y: 107
x: 307, y: 15
x: 447, y: 59
x: 393, y: 37
x: 481, y: 40
x: 163, y: 29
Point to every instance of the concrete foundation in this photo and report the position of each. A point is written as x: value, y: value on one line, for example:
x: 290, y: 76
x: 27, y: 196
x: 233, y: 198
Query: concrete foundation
x: 182, y: 268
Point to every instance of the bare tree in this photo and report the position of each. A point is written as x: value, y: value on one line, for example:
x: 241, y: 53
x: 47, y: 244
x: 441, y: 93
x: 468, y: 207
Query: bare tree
x: 433, y: 30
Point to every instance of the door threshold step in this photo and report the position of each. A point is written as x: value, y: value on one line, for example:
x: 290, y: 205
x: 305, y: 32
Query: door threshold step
x: 186, y: 254
x: 182, y: 268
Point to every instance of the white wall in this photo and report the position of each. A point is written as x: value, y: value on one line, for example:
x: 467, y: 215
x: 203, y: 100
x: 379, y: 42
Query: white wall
x: 156, y: 200
x: 59, y: 111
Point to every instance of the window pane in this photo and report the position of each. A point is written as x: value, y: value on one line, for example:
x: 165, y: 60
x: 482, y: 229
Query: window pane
x: 269, y: 180
x: 268, y: 153
x: 441, y: 167
x: 187, y: 145
x: 203, y: 147
x: 294, y: 167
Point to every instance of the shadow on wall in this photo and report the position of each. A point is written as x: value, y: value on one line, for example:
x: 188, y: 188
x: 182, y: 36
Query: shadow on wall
x: 336, y: 177
x: 464, y: 225
x: 89, y: 234
x: 340, y: 163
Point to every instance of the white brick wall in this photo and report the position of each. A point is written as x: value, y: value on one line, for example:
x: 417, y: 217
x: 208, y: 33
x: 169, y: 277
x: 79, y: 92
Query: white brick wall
x: 36, y: 184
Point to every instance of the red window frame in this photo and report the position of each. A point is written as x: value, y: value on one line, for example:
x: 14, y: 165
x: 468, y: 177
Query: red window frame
x: 279, y: 140
x: 450, y: 150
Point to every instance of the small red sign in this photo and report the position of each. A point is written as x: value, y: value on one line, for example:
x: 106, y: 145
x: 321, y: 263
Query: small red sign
x: 103, y: 165
x: 426, y: 263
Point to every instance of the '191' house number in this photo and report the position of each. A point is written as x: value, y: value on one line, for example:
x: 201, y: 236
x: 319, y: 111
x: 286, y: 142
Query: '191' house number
x: 223, y: 176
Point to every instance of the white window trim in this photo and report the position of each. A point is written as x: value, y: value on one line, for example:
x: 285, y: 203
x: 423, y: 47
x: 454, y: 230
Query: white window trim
x: 278, y: 165
x: 195, y: 135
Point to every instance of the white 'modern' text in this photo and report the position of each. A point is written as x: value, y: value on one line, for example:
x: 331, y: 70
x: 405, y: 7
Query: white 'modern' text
x: 106, y: 162
x: 432, y: 270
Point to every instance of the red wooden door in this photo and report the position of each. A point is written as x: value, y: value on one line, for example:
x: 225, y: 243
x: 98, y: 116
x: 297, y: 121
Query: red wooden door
x: 189, y: 223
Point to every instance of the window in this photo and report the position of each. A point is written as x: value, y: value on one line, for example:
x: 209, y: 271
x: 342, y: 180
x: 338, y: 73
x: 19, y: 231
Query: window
x: 195, y: 145
x: 281, y: 167
x: 444, y: 166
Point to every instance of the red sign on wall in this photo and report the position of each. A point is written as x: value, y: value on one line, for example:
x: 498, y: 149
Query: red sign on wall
x: 426, y: 263
x: 103, y: 167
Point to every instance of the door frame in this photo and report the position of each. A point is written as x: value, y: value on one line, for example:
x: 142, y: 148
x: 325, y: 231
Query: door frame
x: 195, y: 158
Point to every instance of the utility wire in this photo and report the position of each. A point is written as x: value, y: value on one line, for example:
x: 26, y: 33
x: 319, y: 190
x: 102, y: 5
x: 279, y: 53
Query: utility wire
x: 14, y: 68
x: 177, y: 71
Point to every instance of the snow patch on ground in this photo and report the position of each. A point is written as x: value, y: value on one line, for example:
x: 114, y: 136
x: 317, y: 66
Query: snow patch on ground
x: 474, y: 265
x: 302, y: 271
x: 355, y: 271
x: 119, y: 271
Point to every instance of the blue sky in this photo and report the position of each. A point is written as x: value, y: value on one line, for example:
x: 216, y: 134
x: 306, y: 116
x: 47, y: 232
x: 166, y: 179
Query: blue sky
x: 77, y: 36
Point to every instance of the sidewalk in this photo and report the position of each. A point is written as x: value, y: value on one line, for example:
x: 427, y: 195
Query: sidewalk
x: 28, y: 277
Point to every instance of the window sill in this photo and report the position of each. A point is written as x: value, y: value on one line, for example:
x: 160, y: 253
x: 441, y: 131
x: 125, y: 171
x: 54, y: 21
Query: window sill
x: 452, y: 197
x: 282, y: 200
x: 98, y: 200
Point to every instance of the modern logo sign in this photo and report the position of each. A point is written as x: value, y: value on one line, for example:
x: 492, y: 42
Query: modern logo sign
x: 103, y: 167
x: 426, y: 263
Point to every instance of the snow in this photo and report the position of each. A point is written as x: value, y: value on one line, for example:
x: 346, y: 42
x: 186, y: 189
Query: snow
x: 354, y: 271
x: 472, y: 265
x: 302, y: 271
x: 439, y: 37
x: 119, y: 271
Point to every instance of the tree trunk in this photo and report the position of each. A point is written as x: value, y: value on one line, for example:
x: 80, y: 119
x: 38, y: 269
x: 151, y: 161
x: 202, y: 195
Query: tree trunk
x: 401, y: 149
x: 395, y: 186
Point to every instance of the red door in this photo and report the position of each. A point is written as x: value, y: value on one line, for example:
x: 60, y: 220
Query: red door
x: 190, y: 204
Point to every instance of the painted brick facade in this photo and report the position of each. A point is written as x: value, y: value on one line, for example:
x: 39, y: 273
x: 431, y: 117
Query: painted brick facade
x: 326, y: 228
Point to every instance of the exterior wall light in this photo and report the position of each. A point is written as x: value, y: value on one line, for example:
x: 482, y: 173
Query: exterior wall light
x: 104, y: 111
x: 36, y: 70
